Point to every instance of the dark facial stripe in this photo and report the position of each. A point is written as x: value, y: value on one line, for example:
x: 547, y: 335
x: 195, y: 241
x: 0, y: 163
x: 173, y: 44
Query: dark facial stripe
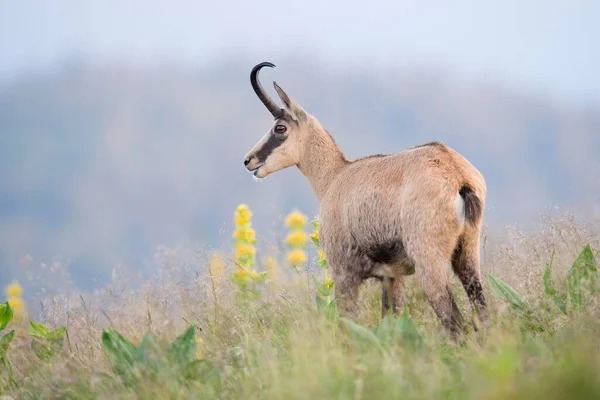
x: 271, y: 144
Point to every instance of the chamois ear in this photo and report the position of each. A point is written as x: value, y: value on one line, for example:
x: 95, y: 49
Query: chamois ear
x: 293, y: 108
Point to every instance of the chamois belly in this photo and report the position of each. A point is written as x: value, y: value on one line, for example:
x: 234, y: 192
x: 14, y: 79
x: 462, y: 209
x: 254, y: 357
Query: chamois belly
x: 389, y: 260
x: 372, y: 227
x: 362, y: 232
x: 379, y: 247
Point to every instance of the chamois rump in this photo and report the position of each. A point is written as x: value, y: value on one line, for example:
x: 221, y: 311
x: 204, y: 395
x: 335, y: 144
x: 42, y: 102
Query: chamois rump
x: 418, y: 211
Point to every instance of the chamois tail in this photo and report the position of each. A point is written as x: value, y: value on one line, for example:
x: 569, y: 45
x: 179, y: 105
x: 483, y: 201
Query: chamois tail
x: 473, y: 207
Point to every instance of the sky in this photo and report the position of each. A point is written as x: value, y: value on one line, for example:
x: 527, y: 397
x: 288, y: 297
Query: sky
x: 545, y: 47
x: 479, y: 61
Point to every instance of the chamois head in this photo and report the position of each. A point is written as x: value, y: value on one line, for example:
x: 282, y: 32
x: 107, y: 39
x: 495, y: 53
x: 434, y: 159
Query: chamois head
x: 281, y: 146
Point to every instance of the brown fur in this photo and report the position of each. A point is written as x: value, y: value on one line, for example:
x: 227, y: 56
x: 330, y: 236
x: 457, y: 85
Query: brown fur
x: 418, y: 211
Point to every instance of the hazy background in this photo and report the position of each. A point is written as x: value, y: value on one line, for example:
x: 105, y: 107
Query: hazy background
x: 123, y: 124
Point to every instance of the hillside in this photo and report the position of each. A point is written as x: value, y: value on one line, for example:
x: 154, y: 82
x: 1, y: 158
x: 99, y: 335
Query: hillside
x: 102, y: 165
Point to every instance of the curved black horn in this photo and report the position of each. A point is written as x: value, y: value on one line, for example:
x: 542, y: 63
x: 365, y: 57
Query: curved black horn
x: 261, y: 93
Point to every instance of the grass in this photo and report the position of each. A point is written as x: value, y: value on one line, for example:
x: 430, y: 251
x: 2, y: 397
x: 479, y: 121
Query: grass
x: 277, y: 346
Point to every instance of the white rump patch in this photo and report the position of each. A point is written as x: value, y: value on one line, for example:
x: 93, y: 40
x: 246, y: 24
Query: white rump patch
x: 459, y: 208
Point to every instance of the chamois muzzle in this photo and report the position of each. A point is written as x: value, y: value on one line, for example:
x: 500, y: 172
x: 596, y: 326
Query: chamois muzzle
x: 261, y: 93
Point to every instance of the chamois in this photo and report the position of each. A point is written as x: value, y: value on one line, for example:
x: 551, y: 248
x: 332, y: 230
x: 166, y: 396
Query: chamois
x: 418, y: 211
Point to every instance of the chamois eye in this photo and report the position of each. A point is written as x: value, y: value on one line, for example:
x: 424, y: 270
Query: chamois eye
x: 280, y: 129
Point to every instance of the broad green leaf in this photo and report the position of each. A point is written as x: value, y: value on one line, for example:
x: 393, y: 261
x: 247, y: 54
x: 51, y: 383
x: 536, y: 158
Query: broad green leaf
x: 550, y: 289
x: 41, y: 348
x: 582, y: 278
x: 410, y: 332
x: 360, y: 333
x: 332, y: 311
x: 321, y: 288
x: 117, y: 347
x: 5, y: 341
x: 148, y: 353
x: 560, y: 302
x: 386, y: 329
x: 6, y: 314
x: 505, y: 292
x: 202, y: 370
x: 586, y: 262
x: 38, y: 329
x: 402, y: 327
x: 56, y: 335
x: 322, y: 305
x: 146, y: 347
x: 121, y: 354
x: 46, y: 343
x: 184, y: 346
x: 549, y: 286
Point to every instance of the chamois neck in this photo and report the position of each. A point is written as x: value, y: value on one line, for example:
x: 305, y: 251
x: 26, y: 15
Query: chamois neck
x: 321, y: 158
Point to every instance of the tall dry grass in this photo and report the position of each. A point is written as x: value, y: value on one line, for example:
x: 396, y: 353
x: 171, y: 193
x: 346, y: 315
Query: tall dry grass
x: 277, y: 346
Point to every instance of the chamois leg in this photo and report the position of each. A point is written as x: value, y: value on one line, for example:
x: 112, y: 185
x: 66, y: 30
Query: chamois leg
x: 434, y: 282
x: 392, y: 295
x: 387, y: 296
x: 346, y: 295
x: 398, y: 291
x: 466, y: 266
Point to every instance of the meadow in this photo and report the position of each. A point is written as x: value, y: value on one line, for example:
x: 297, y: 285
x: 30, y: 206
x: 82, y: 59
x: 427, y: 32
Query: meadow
x: 243, y: 323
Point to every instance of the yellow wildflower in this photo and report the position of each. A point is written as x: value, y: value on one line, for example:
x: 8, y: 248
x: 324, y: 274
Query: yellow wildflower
x: 240, y: 273
x: 295, y: 220
x: 242, y: 208
x: 321, y: 255
x: 242, y: 214
x: 315, y: 235
x: 254, y: 274
x: 245, y: 251
x: 239, y: 220
x: 296, y: 238
x: 296, y: 257
x: 14, y: 290
x: 248, y: 235
x: 328, y: 282
x: 199, y: 347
